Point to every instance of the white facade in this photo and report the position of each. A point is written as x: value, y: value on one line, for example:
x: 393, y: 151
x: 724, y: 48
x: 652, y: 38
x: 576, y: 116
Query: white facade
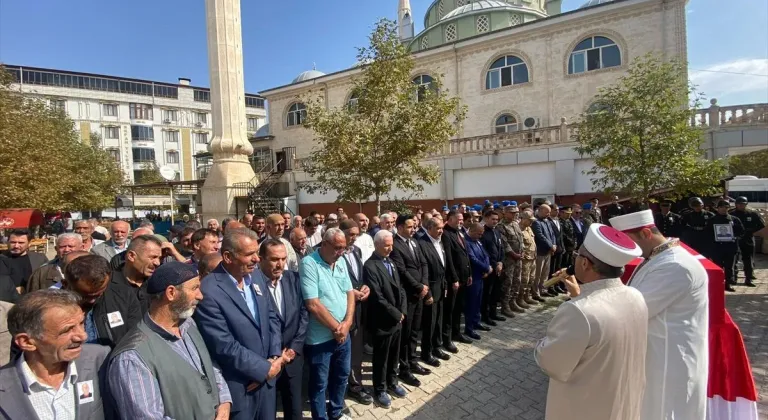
x: 550, y: 93
x: 175, y: 130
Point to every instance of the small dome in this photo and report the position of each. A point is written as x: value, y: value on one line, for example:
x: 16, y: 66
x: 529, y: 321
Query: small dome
x: 591, y: 3
x: 308, y: 75
x: 476, y: 6
x: 262, y: 131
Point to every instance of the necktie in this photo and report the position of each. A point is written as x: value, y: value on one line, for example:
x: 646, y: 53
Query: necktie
x: 461, y: 240
x: 389, y: 266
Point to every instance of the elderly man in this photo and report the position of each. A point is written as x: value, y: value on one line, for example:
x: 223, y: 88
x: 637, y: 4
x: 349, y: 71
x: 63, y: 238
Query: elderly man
x: 459, y: 277
x: 247, y: 219
x: 242, y: 328
x: 386, y: 222
x: 438, y: 266
x: 285, y: 290
x: 597, y: 340
x: 204, y: 242
x: 46, y: 381
x: 208, y: 263
x: 674, y: 285
x: 353, y: 258
x: 146, y: 381
x: 117, y: 243
x: 331, y: 300
x: 298, y: 239
x: 212, y: 224
x: 388, y: 301
x: 84, y: 229
x: 275, y: 229
x: 546, y: 246
x: 50, y: 273
x: 364, y: 241
x: 141, y: 260
x: 18, y: 262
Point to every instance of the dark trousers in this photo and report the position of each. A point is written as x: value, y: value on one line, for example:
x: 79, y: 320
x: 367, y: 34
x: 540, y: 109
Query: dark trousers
x: 386, y: 351
x: 567, y: 259
x: 410, y: 335
x: 747, y: 251
x: 257, y: 405
x: 289, y: 387
x: 726, y: 259
x: 431, y: 326
x: 555, y: 263
x: 474, y: 299
x: 355, y: 381
x: 491, y: 295
x: 446, y: 324
x: 452, y: 313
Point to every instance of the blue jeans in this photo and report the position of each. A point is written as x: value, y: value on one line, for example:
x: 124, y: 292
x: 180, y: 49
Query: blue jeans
x: 329, y: 366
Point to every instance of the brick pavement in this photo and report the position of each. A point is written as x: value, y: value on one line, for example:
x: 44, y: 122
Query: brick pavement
x: 498, y: 378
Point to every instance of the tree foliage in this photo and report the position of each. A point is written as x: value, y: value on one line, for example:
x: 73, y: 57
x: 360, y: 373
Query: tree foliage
x: 364, y: 150
x: 44, y: 163
x: 640, y: 137
x: 150, y: 174
x: 755, y: 164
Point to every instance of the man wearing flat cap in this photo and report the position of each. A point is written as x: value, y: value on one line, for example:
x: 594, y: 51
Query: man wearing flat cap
x: 674, y: 285
x: 148, y: 381
x: 595, y: 347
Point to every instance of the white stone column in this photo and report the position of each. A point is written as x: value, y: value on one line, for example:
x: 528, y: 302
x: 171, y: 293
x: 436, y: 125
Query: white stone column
x: 230, y: 146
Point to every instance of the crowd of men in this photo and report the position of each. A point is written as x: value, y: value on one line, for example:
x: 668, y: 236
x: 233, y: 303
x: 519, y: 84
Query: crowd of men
x: 249, y: 306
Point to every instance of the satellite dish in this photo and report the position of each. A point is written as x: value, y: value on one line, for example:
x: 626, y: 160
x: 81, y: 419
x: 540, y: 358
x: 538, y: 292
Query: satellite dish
x: 168, y: 173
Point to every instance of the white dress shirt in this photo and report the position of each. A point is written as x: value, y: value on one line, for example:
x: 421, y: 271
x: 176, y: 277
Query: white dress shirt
x: 439, y: 248
x: 277, y: 294
x: 50, y: 403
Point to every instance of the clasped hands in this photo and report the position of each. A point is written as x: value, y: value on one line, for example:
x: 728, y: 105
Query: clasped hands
x: 276, y: 366
x: 341, y: 331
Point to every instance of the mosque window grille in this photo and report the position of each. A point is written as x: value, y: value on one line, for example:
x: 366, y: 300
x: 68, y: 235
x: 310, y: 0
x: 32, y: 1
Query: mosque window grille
x: 515, y: 20
x: 483, y: 24
x: 440, y: 10
x: 450, y: 33
x: 460, y: 3
x: 424, y: 43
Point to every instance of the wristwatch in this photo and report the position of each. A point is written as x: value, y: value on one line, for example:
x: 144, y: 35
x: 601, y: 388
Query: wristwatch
x: 273, y: 358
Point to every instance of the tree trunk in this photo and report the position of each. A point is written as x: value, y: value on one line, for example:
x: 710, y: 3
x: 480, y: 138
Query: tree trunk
x: 378, y: 204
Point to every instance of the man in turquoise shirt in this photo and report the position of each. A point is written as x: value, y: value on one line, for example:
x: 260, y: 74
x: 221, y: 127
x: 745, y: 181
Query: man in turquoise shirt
x: 330, y: 301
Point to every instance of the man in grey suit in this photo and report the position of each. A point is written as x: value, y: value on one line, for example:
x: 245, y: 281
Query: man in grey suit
x: 117, y: 243
x: 56, y: 366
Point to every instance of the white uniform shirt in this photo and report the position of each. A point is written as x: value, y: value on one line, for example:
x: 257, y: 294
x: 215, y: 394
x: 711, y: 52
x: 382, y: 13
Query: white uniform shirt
x: 674, y: 285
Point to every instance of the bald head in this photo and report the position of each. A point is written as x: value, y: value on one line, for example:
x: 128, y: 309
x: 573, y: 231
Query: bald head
x: 141, y: 231
x: 233, y: 225
x: 543, y: 211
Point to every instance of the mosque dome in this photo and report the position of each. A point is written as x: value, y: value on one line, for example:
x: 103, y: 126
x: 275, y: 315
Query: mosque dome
x: 477, y: 6
x: 263, y: 131
x: 308, y: 75
x: 591, y: 3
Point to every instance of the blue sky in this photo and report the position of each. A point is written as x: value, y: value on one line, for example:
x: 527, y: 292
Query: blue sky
x: 163, y: 40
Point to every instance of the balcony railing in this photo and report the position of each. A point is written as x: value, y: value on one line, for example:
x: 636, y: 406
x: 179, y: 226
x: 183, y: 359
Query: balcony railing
x: 716, y: 116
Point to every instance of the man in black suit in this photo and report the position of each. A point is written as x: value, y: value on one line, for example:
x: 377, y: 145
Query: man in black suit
x: 353, y: 256
x: 459, y: 272
x: 285, y: 293
x: 388, y: 301
x: 412, y: 269
x: 432, y: 318
x: 18, y: 263
x: 491, y: 241
x: 580, y: 225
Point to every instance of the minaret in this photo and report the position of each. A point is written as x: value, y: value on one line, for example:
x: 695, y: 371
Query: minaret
x: 405, y: 21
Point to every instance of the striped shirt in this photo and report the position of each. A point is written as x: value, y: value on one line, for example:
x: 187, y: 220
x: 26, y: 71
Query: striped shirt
x: 130, y: 377
x: 49, y: 403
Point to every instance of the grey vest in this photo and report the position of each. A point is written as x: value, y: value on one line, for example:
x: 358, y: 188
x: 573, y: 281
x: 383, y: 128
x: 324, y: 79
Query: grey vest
x: 186, y: 393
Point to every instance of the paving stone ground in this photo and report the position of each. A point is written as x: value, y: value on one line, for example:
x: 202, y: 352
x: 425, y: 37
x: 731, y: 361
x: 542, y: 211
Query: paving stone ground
x: 497, y: 377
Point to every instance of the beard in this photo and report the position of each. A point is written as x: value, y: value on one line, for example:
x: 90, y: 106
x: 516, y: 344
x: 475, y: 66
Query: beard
x: 182, y: 308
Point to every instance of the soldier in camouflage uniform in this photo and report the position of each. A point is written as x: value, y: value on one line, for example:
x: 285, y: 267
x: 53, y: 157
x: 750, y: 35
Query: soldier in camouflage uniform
x: 510, y: 232
x: 529, y: 259
x: 569, y: 235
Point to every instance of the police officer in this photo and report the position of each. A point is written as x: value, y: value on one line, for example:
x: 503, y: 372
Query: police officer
x: 695, y: 222
x: 725, y: 231
x: 752, y: 224
x: 670, y: 224
x: 569, y: 235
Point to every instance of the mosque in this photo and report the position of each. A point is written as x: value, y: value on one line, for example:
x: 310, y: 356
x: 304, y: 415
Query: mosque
x: 524, y: 69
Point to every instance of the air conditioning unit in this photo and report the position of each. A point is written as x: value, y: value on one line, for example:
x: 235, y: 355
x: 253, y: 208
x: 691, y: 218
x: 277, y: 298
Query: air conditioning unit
x: 531, y: 123
x: 167, y: 120
x: 198, y: 124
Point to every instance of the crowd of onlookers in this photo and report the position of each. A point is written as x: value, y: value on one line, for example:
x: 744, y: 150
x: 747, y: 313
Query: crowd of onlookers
x: 254, y: 307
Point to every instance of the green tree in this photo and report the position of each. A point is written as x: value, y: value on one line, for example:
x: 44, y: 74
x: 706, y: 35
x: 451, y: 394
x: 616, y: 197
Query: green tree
x: 366, y: 149
x: 638, y: 134
x: 44, y: 163
x: 749, y: 164
x: 95, y: 139
x: 150, y: 174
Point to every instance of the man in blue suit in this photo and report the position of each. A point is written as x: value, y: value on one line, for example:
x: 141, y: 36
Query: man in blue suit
x: 284, y: 289
x: 481, y: 269
x: 241, y: 328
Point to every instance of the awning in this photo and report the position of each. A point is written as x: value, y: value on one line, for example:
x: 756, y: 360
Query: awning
x: 20, y: 218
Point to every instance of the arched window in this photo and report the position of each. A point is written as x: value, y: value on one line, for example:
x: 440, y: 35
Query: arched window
x: 506, y: 71
x: 450, y: 32
x: 352, y: 102
x: 422, y: 82
x: 594, y: 53
x: 297, y: 113
x: 506, y: 123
